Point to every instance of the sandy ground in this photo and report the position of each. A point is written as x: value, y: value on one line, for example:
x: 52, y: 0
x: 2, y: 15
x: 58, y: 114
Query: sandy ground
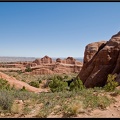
x: 113, y: 111
x: 19, y: 84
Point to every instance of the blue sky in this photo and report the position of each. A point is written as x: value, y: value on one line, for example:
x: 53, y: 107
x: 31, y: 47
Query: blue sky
x: 56, y: 29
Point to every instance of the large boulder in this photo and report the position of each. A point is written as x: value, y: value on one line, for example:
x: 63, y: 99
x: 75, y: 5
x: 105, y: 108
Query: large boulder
x: 100, y: 59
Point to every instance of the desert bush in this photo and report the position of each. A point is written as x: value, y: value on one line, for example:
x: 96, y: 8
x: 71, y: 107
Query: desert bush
x: 57, y: 85
x: 96, y: 101
x: 66, y: 77
x: 23, y: 95
x: 28, y: 69
x: 34, y: 84
x: 23, y: 89
x: 39, y: 80
x: 59, y: 77
x: 73, y: 109
x: 6, y: 100
x: 19, y: 71
x: 77, y: 85
x: 4, y: 84
x: 111, y: 83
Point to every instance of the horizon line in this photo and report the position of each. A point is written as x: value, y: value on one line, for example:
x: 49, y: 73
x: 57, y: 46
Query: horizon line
x: 39, y: 57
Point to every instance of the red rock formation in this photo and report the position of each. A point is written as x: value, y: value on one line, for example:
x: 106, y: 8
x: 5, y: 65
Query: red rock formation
x: 37, y: 61
x: 45, y: 65
x: 58, y: 60
x: 103, y: 60
x: 91, y: 49
x: 46, y: 60
x: 70, y: 60
x: 42, y: 71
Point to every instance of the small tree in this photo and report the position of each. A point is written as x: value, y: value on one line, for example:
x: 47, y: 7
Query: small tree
x: 4, y: 84
x: 77, y: 85
x: 111, y: 83
x: 57, y: 85
x: 28, y: 69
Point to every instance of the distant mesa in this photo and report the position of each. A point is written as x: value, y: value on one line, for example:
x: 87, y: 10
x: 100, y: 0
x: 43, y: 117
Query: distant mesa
x: 68, y: 65
x: 45, y: 65
x: 100, y: 59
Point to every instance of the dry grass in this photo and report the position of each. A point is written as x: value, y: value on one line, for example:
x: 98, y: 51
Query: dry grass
x: 43, y: 105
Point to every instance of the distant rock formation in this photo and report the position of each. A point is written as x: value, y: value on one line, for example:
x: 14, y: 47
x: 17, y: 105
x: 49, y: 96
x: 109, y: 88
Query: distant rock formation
x: 70, y: 60
x: 37, y: 61
x: 100, y: 59
x: 68, y: 65
x: 42, y: 71
x: 45, y: 60
x: 58, y: 60
x: 45, y: 65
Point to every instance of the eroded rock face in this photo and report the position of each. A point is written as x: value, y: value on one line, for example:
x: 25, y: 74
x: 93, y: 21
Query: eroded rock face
x: 42, y: 71
x: 101, y: 60
x: 70, y: 60
x: 37, y: 61
x: 45, y: 65
x: 58, y: 60
x: 91, y: 49
x: 46, y: 60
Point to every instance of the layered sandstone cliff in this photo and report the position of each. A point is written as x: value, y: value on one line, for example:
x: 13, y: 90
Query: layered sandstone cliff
x: 100, y: 59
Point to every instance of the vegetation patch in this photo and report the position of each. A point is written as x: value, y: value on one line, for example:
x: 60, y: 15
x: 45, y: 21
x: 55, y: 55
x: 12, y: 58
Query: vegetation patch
x: 111, y: 83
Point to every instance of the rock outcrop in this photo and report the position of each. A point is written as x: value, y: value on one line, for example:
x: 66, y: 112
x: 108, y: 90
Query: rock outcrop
x: 91, y: 49
x: 45, y: 65
x: 70, y: 60
x: 42, y: 71
x: 45, y: 60
x: 100, y: 59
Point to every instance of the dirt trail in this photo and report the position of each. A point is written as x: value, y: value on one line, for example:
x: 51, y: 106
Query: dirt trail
x: 19, y: 84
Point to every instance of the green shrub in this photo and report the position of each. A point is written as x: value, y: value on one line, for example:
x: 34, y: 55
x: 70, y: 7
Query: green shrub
x: 6, y: 100
x: 57, y: 85
x: 23, y: 89
x: 23, y: 94
x: 59, y: 77
x: 39, y: 80
x: 77, y: 85
x: 111, y: 83
x: 73, y: 109
x: 34, y: 84
x: 4, y: 84
x: 28, y: 69
x: 19, y: 71
x: 66, y: 77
